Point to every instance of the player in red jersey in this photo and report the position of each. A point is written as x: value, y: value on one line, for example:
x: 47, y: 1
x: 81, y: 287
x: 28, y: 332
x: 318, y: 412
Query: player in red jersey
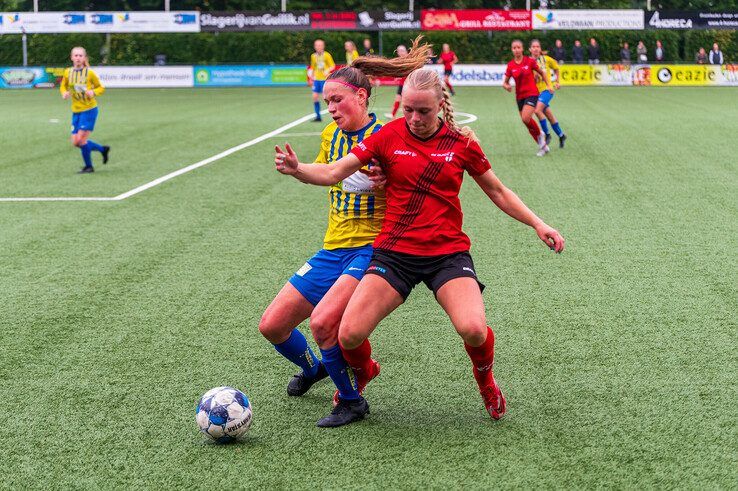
x: 448, y: 58
x: 401, y: 51
x: 424, y: 158
x: 521, y: 69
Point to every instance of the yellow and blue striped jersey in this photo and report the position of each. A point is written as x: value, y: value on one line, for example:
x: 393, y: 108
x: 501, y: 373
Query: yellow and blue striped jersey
x: 77, y: 81
x: 321, y: 65
x: 356, y: 210
x: 546, y: 64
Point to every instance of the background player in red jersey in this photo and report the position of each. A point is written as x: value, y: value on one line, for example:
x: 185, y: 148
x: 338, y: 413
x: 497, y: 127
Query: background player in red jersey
x: 401, y: 51
x: 424, y: 159
x: 521, y: 69
x: 448, y: 58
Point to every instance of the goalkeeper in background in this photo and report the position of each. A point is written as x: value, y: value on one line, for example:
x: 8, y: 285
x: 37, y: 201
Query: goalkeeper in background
x: 321, y: 65
x: 83, y: 86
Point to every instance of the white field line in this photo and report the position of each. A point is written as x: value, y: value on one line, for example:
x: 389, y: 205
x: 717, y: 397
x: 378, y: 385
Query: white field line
x: 174, y: 174
x: 468, y: 118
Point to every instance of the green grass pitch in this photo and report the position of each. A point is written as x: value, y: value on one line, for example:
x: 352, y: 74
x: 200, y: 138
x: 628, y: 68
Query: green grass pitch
x: 618, y: 357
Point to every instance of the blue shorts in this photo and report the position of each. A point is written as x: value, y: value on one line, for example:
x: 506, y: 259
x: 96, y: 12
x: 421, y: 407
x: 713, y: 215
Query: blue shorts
x: 84, y: 120
x: 545, y: 97
x: 319, y: 273
x: 318, y: 86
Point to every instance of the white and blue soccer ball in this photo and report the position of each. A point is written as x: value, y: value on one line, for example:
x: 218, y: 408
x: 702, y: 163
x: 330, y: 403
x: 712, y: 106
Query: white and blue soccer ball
x: 224, y: 414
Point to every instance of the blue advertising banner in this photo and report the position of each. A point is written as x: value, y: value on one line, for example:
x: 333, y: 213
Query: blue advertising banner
x: 25, y: 77
x: 250, y: 75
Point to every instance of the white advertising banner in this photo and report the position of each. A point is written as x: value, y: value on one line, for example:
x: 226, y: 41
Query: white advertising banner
x: 61, y: 22
x: 145, y: 76
x: 475, y: 75
x: 588, y: 19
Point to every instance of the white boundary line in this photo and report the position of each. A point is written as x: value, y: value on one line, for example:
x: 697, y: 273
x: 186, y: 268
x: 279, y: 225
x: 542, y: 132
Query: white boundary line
x: 470, y: 118
x: 176, y: 173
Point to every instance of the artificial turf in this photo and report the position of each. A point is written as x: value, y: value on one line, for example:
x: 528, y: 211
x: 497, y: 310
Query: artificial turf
x: 618, y: 357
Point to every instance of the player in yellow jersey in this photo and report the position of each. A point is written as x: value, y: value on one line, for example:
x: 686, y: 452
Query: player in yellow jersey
x: 321, y: 65
x: 351, y: 52
x: 322, y: 287
x: 543, y: 106
x: 83, y: 86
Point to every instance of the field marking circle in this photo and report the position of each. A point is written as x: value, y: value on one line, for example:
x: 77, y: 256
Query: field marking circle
x: 470, y: 117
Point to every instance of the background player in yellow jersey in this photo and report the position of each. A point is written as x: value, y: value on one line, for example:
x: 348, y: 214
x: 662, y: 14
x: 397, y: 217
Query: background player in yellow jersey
x: 543, y: 106
x: 83, y: 86
x: 351, y: 52
x: 321, y: 65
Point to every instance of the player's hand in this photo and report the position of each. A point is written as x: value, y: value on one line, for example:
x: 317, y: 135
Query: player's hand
x: 376, y: 175
x: 90, y: 93
x: 507, y: 87
x: 286, y: 160
x: 65, y: 95
x: 551, y: 237
x: 557, y: 85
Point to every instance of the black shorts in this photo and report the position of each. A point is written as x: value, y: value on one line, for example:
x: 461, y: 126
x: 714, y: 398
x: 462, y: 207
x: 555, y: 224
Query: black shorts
x: 448, y: 72
x: 404, y: 271
x: 399, y: 90
x: 528, y: 101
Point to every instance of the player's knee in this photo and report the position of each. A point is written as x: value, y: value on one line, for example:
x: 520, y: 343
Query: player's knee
x: 270, y: 328
x: 349, y: 336
x: 324, y: 328
x: 474, y: 331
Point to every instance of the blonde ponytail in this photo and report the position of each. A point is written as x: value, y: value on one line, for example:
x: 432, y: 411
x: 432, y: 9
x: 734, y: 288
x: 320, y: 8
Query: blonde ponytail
x: 377, y: 66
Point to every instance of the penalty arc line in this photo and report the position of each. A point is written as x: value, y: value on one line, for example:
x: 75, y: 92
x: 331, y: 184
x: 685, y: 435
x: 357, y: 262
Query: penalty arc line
x: 174, y: 174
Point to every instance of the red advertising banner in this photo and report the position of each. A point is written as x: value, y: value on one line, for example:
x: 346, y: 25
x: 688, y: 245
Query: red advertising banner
x: 333, y: 20
x: 476, y: 20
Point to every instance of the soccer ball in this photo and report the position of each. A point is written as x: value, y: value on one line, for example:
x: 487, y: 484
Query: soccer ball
x: 224, y: 414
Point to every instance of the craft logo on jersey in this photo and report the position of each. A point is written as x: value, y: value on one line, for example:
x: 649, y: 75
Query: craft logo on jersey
x: 403, y: 152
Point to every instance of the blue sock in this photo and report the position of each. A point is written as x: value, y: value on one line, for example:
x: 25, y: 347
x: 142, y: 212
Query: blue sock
x: 86, y: 154
x: 544, y: 125
x: 316, y: 105
x: 94, y: 146
x: 298, y: 352
x: 557, y: 129
x: 340, y: 373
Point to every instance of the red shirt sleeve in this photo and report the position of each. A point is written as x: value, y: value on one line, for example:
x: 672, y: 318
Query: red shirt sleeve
x: 475, y: 162
x: 371, y: 147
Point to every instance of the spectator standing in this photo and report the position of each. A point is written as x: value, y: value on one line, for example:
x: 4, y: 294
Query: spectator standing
x: 716, y: 56
x: 594, y: 52
x: 368, y: 51
x: 625, y: 54
x: 642, y: 52
x: 701, y: 57
x: 577, y: 53
x: 558, y: 52
x: 659, y: 53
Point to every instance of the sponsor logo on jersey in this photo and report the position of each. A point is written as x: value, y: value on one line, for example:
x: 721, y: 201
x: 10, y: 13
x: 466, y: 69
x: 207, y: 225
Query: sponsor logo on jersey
x: 406, y: 152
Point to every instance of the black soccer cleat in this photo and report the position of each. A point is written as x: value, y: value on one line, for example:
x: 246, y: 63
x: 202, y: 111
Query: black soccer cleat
x: 105, y: 152
x: 345, y: 412
x: 548, y: 138
x: 317, y: 119
x: 562, y: 139
x: 301, y: 383
x: 86, y: 170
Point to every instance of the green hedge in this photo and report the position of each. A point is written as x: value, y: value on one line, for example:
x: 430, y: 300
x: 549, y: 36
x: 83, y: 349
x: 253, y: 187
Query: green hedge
x: 295, y: 47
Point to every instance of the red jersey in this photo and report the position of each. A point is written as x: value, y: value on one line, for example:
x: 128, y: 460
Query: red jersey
x: 423, y: 215
x: 448, y: 59
x: 524, y: 76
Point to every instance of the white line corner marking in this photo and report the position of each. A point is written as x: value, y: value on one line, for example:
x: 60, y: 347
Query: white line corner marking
x: 176, y: 173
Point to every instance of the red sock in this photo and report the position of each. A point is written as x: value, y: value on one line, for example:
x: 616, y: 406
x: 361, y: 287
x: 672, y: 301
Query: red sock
x: 482, y: 358
x: 359, y: 358
x: 395, y: 107
x: 533, y: 129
